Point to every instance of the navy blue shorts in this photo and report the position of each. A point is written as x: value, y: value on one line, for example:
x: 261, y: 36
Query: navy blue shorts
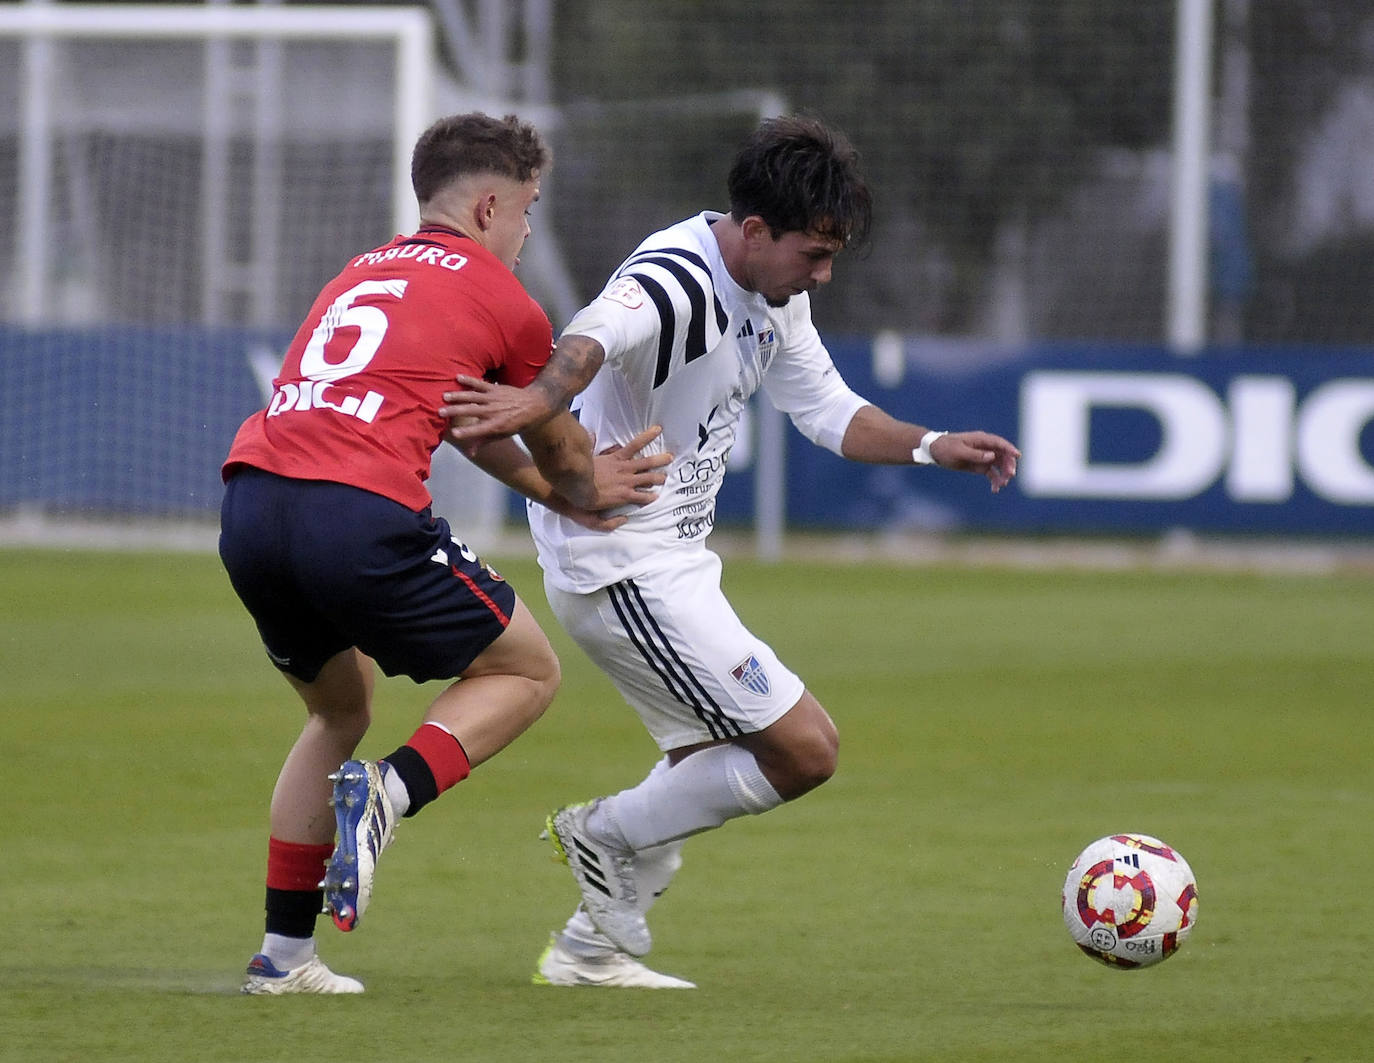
x: 323, y: 567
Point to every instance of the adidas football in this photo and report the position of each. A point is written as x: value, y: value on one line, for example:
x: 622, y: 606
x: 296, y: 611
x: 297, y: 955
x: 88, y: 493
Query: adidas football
x: 1130, y: 900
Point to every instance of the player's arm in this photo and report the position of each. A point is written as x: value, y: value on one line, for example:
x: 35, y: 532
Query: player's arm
x: 562, y: 452
x: 878, y: 438
x: 622, y: 474
x: 804, y: 383
x: 486, y: 410
x: 507, y: 462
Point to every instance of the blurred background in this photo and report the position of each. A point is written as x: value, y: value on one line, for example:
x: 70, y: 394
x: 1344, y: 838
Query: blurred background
x: 1137, y: 238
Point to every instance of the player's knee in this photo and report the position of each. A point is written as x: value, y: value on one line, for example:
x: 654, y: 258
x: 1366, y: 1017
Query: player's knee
x: 345, y: 728
x: 544, y: 674
x: 354, y: 725
x: 550, y: 675
x: 809, y: 761
x: 342, y: 710
x: 820, y: 758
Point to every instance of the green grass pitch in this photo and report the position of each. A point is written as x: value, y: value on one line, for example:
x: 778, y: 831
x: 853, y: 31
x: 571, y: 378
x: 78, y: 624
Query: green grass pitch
x: 992, y: 723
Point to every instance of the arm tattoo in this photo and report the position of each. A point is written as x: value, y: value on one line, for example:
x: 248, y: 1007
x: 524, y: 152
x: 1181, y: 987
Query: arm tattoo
x: 570, y: 368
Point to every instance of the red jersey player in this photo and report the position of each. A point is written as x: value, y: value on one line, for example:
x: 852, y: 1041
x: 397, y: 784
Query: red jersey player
x: 359, y: 390
x: 328, y: 539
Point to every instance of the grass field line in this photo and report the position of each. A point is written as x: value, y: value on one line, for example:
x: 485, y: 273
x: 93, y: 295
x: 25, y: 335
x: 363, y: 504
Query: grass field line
x: 1176, y: 550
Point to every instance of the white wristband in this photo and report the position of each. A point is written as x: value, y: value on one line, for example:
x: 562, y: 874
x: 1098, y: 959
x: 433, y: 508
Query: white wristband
x: 922, y: 455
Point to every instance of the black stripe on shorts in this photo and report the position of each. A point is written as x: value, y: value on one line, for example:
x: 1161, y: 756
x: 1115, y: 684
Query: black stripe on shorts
x: 658, y: 652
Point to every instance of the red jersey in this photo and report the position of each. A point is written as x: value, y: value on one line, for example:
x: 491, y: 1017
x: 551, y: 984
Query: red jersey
x: 356, y: 399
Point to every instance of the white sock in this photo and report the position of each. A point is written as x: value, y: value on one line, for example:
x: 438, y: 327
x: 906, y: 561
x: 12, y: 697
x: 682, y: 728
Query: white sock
x: 703, y: 791
x: 287, y: 953
x: 396, y: 791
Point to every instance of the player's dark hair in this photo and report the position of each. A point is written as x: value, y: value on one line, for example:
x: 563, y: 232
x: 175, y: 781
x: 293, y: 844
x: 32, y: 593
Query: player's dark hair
x: 464, y: 144
x: 799, y: 175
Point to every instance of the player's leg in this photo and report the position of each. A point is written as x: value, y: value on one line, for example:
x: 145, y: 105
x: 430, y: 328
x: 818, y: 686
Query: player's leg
x: 701, y: 682
x: 336, y: 685
x: 581, y: 955
x: 338, y: 710
x: 437, y: 612
x: 741, y: 731
x: 796, y: 753
x: 338, y: 704
x: 502, y: 692
x: 505, y: 689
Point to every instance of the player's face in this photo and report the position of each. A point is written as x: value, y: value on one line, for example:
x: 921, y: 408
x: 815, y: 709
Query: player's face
x: 510, y: 219
x: 793, y: 263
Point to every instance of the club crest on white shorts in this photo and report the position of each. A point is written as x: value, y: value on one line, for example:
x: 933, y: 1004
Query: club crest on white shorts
x: 749, y: 674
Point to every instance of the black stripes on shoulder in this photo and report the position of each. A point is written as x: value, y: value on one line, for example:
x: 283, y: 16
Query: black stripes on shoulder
x: 667, y: 328
x: 696, y: 287
x: 659, y: 653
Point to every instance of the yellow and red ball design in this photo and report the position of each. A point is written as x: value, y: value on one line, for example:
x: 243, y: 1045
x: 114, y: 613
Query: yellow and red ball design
x: 1129, y: 900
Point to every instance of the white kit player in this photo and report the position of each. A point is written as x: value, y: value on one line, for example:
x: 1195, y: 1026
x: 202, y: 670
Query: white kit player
x: 696, y: 320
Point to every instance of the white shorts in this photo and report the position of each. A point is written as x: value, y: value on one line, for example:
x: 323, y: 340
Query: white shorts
x: 677, y: 652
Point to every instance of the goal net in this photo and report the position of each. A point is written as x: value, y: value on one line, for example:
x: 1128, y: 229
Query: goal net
x: 176, y: 183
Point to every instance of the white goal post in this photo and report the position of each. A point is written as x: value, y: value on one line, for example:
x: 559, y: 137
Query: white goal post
x: 176, y: 182
x: 172, y: 175
x: 38, y: 25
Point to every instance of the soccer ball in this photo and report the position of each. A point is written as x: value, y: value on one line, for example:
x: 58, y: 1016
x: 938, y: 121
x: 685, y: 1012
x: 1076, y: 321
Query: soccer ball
x: 1130, y: 900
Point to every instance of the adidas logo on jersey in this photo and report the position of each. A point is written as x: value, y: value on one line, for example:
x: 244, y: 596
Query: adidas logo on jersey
x: 766, y: 345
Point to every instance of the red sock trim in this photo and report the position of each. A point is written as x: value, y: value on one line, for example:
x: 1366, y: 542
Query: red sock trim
x: 295, y: 865
x: 443, y: 753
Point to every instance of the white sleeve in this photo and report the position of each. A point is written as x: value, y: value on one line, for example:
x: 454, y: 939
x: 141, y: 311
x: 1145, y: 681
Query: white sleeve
x: 622, y: 319
x: 803, y: 383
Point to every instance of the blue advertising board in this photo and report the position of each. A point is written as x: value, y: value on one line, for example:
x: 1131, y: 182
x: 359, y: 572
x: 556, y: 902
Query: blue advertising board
x: 124, y: 420
x: 1115, y: 438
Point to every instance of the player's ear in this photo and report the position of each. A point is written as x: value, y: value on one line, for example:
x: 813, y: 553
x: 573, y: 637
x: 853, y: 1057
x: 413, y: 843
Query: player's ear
x: 484, y: 211
x: 755, y: 230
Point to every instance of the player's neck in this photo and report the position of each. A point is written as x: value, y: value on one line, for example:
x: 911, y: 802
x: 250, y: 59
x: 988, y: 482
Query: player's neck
x: 731, y: 244
x: 441, y: 227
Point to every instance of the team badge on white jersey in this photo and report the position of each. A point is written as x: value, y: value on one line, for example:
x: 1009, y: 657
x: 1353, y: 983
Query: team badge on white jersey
x: 625, y: 291
x: 763, y: 342
x: 749, y: 674
x: 768, y: 345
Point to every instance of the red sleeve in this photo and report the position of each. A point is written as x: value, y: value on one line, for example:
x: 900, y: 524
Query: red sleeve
x: 531, y: 343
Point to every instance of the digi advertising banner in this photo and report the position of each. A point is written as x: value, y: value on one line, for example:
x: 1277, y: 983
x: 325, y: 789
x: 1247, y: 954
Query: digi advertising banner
x: 1116, y: 439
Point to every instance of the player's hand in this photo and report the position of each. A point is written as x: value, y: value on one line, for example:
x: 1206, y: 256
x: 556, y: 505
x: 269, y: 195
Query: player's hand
x: 977, y: 452
x: 483, y: 410
x: 626, y: 476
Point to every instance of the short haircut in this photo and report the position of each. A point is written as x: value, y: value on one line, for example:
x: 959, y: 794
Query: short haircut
x: 465, y: 144
x: 798, y: 175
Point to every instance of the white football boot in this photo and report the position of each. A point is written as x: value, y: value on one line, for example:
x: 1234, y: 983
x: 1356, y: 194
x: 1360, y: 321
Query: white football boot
x: 607, y: 876
x: 265, y: 979
x: 558, y: 966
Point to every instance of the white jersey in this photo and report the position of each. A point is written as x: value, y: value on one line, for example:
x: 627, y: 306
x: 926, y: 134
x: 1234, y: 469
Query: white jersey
x: 686, y: 347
